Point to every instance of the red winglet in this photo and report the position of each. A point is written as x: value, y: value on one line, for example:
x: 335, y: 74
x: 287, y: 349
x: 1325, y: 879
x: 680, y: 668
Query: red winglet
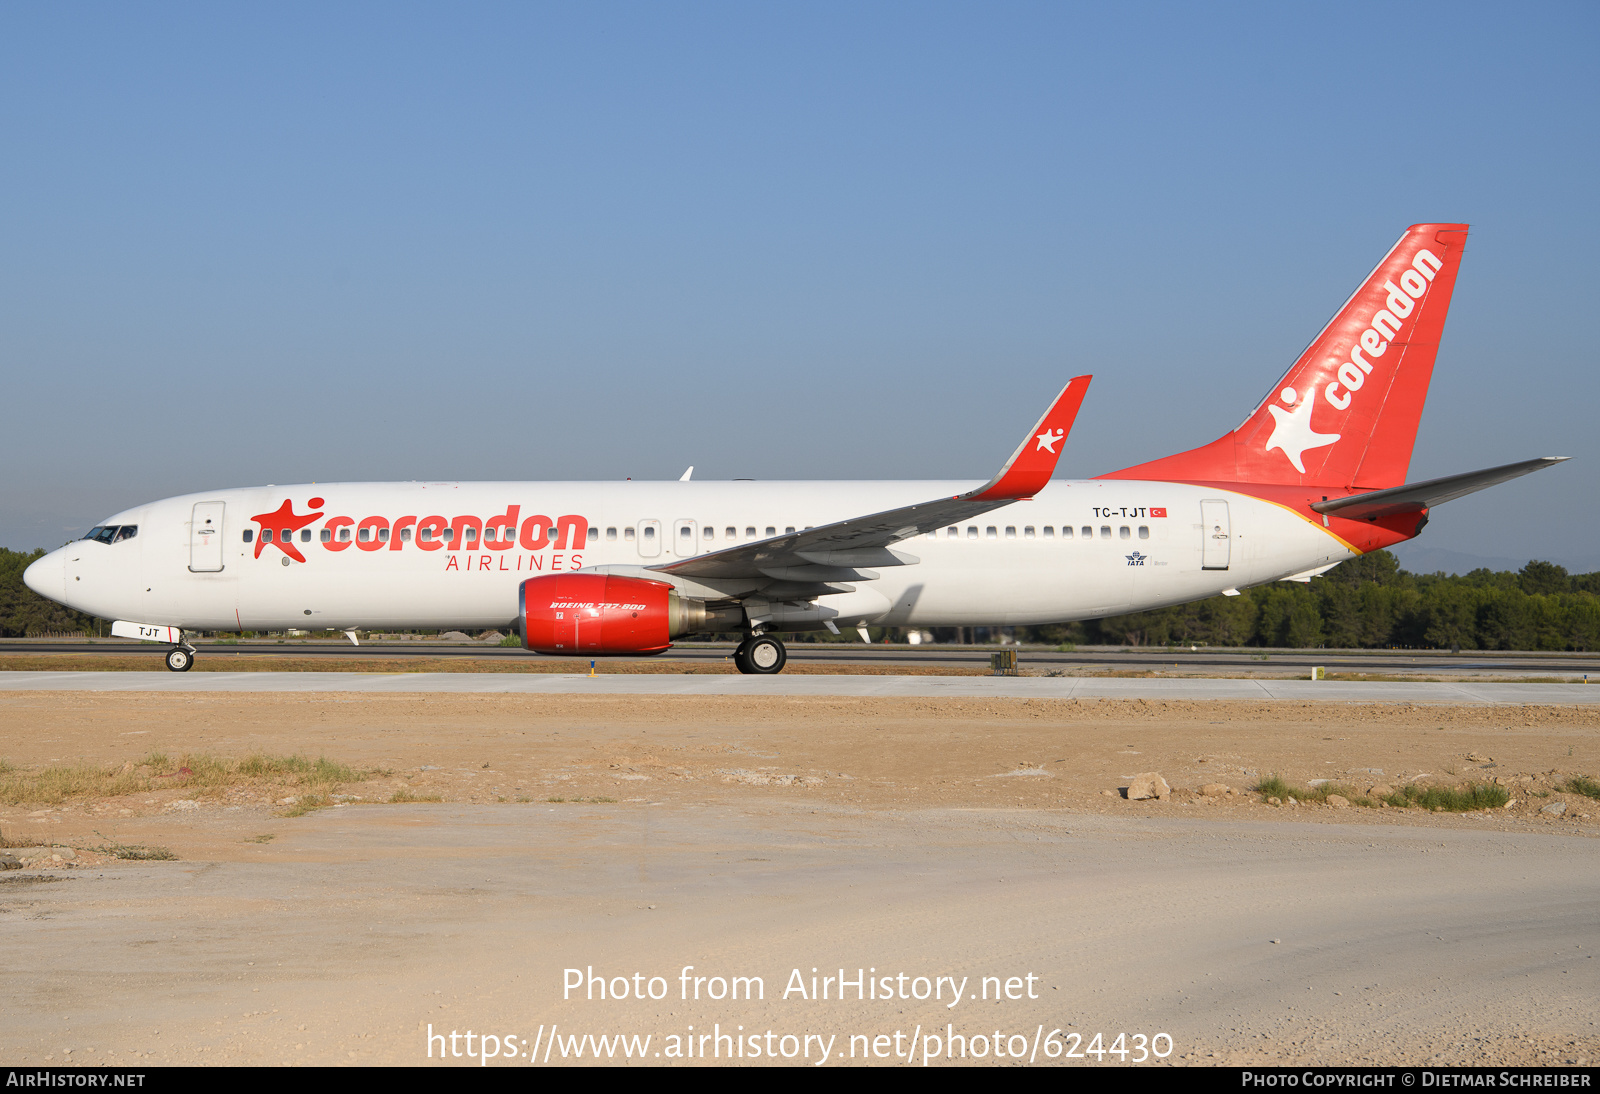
x: 1034, y: 461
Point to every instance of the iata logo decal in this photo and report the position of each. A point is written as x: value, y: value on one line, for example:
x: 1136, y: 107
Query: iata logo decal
x: 1136, y: 559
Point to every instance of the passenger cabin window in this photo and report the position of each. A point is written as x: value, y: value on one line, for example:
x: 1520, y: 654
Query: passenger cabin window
x: 344, y: 534
x: 365, y: 535
x: 286, y: 536
x: 446, y: 534
x: 305, y: 535
x: 249, y: 534
x: 789, y: 530
x: 1144, y: 531
x: 424, y: 536
x: 1124, y: 533
x: 383, y: 535
x: 972, y: 531
x: 611, y: 533
x: 771, y: 531
x: 266, y: 535
x: 1011, y: 531
x: 1050, y: 531
x: 627, y: 535
x: 405, y: 535
x: 730, y: 533
x: 711, y: 533
x: 649, y: 533
x: 990, y: 533
x: 326, y: 534
x: 594, y: 535
x: 1027, y: 531
x: 952, y: 533
x: 1105, y: 531
x: 1086, y: 532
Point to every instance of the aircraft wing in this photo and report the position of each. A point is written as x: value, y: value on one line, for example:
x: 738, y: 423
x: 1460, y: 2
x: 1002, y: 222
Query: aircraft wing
x: 801, y: 565
x: 1417, y: 496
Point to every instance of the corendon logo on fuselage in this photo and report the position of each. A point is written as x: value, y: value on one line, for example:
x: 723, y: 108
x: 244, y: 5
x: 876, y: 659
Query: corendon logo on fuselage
x: 1292, y: 433
x: 469, y: 542
x: 285, y: 523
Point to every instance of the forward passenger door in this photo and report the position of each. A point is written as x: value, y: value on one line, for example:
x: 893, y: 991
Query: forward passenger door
x: 205, y: 537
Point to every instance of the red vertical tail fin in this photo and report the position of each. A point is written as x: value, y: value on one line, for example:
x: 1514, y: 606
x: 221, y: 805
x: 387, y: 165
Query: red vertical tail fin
x: 1346, y: 413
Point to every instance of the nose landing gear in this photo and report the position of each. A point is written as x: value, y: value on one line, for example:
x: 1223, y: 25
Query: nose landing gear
x: 180, y: 658
x: 760, y: 655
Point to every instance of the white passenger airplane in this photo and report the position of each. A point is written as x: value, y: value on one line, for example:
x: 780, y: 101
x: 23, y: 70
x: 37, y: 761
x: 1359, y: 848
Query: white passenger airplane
x: 1314, y: 476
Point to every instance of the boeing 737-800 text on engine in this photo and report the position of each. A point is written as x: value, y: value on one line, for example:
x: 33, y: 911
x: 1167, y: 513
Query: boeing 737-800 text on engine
x: 1315, y: 475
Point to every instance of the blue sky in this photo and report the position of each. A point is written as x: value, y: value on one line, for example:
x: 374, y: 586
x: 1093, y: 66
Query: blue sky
x: 278, y: 243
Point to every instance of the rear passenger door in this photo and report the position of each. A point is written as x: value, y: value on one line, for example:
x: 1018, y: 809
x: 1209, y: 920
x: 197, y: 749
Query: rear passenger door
x: 1216, y: 535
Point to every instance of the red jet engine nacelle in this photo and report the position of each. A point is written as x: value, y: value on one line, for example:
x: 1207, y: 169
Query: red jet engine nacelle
x: 594, y: 614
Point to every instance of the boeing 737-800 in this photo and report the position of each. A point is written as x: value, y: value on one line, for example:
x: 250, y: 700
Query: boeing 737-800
x: 1315, y: 475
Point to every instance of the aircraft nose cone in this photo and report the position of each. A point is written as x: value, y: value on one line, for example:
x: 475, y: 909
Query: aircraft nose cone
x: 48, y: 575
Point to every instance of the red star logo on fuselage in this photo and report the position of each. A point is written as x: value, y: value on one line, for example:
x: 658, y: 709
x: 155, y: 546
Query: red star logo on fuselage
x: 284, y: 523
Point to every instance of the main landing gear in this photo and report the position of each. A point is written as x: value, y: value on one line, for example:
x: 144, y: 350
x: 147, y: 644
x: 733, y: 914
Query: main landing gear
x: 760, y: 655
x: 180, y: 658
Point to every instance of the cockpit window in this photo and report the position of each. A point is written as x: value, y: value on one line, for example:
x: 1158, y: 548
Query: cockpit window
x: 112, y: 533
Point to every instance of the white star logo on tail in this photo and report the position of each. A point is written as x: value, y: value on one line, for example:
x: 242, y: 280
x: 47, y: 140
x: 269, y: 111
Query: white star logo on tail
x: 1047, y: 440
x: 1293, y: 434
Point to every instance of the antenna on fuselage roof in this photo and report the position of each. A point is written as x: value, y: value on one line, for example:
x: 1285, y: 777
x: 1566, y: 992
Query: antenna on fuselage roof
x: 685, y: 476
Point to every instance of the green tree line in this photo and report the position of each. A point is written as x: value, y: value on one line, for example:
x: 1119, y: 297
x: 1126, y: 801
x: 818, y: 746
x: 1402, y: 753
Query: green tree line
x: 1368, y: 602
x: 24, y: 612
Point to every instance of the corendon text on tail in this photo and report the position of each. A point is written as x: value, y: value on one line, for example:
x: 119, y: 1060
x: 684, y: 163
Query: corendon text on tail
x: 1315, y: 475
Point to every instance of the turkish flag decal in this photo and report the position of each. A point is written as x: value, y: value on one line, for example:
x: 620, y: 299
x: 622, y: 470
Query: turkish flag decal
x: 1158, y: 512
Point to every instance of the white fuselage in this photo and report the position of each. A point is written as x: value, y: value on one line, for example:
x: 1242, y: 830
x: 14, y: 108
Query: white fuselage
x: 1079, y: 550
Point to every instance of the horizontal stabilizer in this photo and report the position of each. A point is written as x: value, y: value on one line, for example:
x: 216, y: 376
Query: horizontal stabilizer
x: 1417, y: 496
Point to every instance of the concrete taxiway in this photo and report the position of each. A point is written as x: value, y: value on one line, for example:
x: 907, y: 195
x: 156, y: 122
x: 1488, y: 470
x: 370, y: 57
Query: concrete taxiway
x: 1242, y: 662
x: 1014, y: 687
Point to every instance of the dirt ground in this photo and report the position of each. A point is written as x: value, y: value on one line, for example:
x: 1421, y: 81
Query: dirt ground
x: 1073, y: 755
x: 889, y: 792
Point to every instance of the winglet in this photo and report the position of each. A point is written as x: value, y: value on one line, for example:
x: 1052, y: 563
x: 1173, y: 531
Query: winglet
x: 1034, y: 461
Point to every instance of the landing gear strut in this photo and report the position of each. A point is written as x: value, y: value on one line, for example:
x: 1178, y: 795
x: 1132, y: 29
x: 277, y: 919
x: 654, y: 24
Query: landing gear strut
x: 760, y: 655
x: 180, y: 658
